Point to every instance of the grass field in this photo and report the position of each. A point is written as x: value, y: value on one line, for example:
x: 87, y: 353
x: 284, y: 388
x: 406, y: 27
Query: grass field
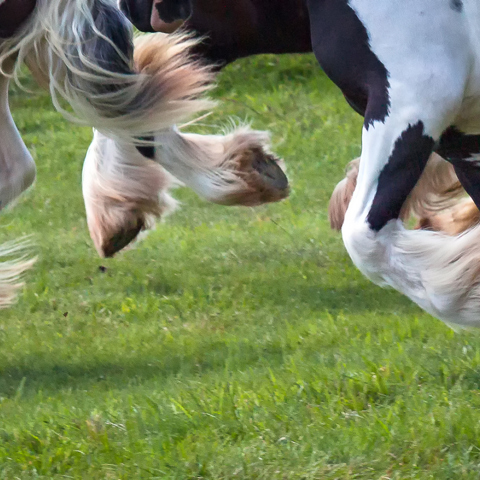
x: 231, y: 343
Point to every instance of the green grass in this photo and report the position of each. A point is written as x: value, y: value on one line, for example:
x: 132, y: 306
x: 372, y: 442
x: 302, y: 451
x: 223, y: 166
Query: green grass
x: 231, y: 343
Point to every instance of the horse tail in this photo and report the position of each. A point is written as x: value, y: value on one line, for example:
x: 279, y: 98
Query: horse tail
x: 83, y: 51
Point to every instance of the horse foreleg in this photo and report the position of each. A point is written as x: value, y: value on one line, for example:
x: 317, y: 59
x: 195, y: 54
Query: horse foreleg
x: 124, y: 193
x: 234, y: 169
x: 440, y: 273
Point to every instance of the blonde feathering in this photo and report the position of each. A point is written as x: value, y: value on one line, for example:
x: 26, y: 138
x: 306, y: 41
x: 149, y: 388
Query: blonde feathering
x: 167, y: 87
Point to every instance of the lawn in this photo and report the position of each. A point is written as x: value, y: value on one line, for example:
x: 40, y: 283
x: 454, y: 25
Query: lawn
x: 231, y: 343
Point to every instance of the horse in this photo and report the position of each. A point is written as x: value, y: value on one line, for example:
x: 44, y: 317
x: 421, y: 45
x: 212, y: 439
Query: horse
x: 412, y: 69
x: 82, y: 52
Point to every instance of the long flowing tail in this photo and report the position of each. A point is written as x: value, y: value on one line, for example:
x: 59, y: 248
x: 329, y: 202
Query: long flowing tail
x: 82, y: 50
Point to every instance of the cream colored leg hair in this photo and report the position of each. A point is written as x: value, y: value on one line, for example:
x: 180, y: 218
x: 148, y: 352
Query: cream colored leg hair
x: 124, y: 191
x: 436, y: 199
x: 165, y: 90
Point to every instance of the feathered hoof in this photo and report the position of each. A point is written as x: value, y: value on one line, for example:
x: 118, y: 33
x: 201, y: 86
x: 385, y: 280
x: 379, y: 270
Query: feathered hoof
x: 248, y: 173
x: 264, y: 177
x: 124, y: 194
x: 115, y: 223
x: 111, y: 244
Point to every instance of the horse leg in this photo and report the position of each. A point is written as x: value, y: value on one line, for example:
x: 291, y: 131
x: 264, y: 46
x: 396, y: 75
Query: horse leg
x: 124, y: 190
x: 124, y: 193
x: 17, y: 172
x: 440, y: 273
x: 17, y: 168
x: 232, y: 169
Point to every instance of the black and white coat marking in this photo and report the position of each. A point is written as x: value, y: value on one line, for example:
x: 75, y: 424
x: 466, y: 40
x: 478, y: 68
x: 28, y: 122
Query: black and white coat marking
x: 412, y: 68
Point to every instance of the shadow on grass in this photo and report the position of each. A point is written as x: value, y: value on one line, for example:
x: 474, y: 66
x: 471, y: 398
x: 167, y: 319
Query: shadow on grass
x: 48, y: 376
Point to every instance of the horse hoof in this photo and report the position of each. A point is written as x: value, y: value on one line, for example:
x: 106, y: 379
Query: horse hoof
x: 119, y: 240
x: 265, y: 178
x: 270, y: 172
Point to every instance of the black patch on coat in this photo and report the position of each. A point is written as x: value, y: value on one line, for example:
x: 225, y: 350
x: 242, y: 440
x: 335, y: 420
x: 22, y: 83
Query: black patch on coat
x: 397, y: 179
x: 139, y: 12
x: 456, y: 5
x: 171, y: 10
x: 458, y: 148
x: 341, y: 44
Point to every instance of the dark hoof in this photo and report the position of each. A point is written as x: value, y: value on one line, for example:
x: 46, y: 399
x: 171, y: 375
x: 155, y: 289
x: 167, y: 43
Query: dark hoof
x: 270, y: 172
x: 121, y: 239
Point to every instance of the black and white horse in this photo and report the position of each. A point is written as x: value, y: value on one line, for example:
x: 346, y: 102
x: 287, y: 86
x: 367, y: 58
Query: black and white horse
x: 83, y: 52
x: 412, y: 69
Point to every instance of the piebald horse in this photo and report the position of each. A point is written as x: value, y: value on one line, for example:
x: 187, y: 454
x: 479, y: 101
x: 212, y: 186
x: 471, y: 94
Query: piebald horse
x: 82, y: 51
x: 412, y: 69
